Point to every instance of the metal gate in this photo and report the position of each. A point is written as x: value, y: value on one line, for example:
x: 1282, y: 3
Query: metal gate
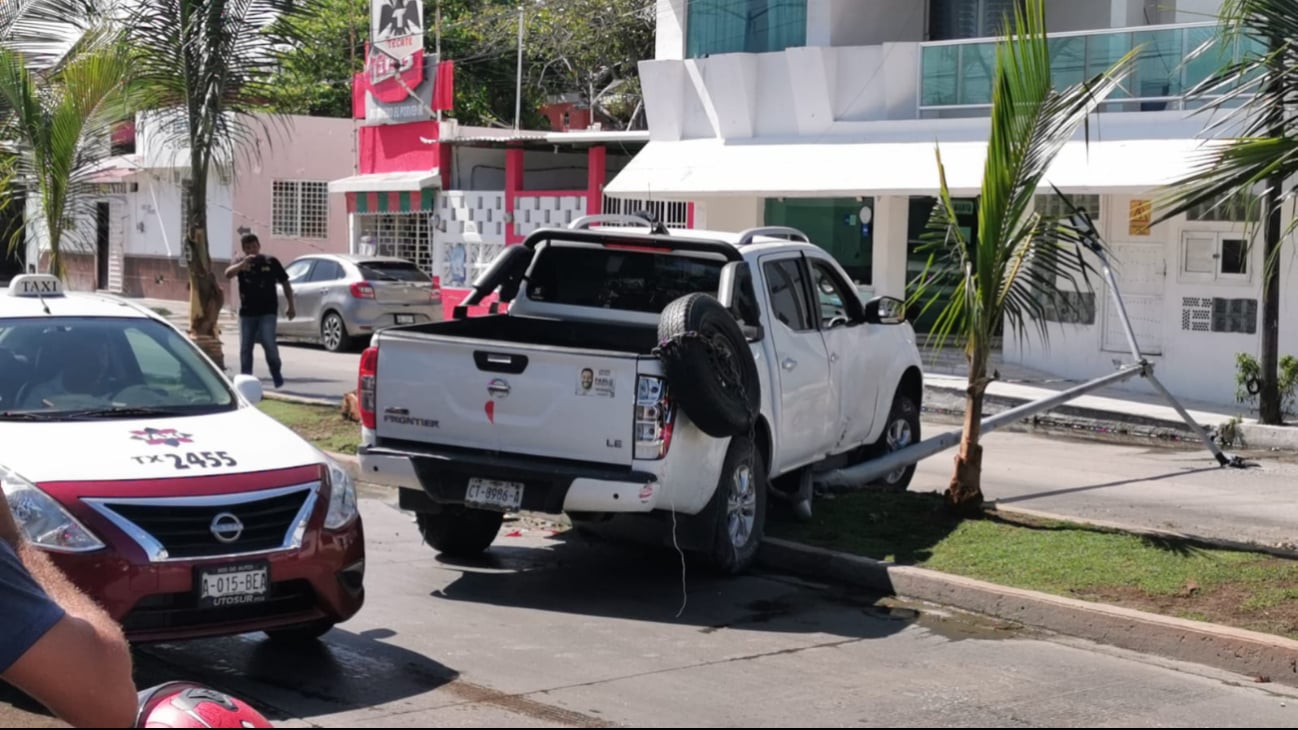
x: 404, y: 235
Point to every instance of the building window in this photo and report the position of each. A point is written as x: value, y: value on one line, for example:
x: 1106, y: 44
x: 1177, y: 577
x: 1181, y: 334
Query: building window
x: 299, y: 209
x: 954, y: 19
x: 1058, y: 305
x: 1056, y: 207
x: 744, y: 26
x: 1214, y: 256
x: 1234, y: 315
x: 1236, y: 209
x: 1069, y: 307
x: 403, y: 235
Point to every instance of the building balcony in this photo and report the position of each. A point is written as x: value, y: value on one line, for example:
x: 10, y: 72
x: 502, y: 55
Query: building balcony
x: 955, y: 77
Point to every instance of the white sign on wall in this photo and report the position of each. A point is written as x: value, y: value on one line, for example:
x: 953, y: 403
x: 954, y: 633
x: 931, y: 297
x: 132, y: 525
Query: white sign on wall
x: 396, y: 35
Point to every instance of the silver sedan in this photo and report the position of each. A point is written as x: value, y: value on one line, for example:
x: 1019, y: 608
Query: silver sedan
x: 341, y: 299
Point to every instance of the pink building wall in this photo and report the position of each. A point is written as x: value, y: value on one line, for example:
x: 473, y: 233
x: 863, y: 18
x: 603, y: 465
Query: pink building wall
x: 317, y: 149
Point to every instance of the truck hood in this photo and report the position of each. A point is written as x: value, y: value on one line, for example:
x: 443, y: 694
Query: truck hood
x: 233, y: 442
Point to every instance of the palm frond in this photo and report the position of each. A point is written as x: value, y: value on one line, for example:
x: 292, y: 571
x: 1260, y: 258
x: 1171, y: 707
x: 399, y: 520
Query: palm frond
x: 204, y: 65
x: 44, y: 32
x: 1014, y: 270
x: 1260, y: 133
x: 61, y: 123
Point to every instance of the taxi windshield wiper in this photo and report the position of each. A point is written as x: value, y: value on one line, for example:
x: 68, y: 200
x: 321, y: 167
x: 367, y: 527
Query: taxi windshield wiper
x: 121, y: 412
x: 28, y: 416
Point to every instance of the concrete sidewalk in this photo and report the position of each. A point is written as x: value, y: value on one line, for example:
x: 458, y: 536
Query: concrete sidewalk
x: 1137, y: 410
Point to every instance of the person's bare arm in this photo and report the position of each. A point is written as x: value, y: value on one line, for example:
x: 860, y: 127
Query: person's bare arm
x: 81, y: 668
x: 289, y: 311
x: 233, y: 269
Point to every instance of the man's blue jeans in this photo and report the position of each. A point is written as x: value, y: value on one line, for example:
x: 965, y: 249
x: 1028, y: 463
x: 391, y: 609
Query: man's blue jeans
x: 261, y: 329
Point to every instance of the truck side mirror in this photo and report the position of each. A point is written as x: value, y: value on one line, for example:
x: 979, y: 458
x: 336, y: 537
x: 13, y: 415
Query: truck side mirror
x: 885, y: 310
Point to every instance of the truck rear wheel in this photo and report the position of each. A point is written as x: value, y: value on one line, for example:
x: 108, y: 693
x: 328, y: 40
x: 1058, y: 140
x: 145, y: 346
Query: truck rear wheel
x: 738, y: 508
x: 709, y: 365
x: 460, y: 532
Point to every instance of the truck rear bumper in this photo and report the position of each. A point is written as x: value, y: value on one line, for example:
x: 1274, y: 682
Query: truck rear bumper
x: 549, y: 485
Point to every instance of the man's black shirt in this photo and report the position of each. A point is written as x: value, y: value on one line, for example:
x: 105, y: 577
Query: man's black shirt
x: 257, y: 296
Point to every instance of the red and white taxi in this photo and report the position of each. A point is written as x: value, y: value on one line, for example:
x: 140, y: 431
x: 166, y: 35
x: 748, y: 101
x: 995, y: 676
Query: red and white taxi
x: 156, y: 483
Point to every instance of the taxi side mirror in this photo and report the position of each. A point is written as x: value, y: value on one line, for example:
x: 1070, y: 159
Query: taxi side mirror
x: 249, y: 386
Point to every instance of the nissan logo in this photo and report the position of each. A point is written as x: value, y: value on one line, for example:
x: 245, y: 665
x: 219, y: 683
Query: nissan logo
x: 226, y: 527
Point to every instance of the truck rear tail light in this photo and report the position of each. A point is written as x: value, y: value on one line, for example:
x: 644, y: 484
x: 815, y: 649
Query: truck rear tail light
x: 653, y: 418
x: 362, y: 290
x: 435, y: 294
x: 365, y: 390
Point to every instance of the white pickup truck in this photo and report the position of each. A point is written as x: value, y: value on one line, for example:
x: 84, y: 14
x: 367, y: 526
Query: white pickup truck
x: 611, y: 388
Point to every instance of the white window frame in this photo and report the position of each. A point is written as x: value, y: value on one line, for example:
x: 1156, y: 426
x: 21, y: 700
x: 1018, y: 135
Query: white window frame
x: 1217, y: 275
x: 298, y: 225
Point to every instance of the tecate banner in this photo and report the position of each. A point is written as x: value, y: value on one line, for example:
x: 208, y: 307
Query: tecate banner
x: 396, y: 35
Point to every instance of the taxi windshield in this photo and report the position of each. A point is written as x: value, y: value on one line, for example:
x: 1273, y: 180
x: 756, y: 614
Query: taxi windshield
x: 104, y: 367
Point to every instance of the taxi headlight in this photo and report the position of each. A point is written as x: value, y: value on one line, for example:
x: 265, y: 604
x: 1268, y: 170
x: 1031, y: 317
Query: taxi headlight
x: 42, y: 519
x: 342, y: 497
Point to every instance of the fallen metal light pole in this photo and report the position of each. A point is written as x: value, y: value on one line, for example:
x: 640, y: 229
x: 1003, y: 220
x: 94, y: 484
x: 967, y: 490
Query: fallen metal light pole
x: 868, y: 471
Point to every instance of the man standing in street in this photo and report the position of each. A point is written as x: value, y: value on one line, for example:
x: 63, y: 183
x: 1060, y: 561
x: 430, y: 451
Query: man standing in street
x: 56, y: 644
x: 259, y: 305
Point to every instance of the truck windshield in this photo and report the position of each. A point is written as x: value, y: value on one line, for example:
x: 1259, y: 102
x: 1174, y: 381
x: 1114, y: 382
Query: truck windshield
x: 637, y: 281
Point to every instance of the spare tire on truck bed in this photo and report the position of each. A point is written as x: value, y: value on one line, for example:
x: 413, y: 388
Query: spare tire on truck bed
x: 709, y: 365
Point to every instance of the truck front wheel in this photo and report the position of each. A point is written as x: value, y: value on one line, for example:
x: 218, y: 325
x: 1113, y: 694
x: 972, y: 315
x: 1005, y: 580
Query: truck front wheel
x: 460, y: 532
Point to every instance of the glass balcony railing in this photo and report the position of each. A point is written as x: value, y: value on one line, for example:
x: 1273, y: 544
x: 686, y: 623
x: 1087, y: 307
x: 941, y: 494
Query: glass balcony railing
x: 958, y: 74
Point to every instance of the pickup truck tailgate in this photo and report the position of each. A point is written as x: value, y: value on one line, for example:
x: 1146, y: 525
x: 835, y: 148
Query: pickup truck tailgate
x: 515, y: 398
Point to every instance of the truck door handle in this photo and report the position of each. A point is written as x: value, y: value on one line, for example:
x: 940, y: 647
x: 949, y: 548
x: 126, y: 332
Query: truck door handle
x: 789, y: 363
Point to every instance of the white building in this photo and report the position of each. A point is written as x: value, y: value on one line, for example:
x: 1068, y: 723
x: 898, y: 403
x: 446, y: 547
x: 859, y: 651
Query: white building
x: 823, y: 114
x: 131, y: 241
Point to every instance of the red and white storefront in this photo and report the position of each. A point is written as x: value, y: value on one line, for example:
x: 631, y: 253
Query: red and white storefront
x: 450, y: 198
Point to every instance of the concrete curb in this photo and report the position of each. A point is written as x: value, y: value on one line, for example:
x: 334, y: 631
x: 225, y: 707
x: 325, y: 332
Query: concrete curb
x: 1248, y: 653
x: 1288, y: 550
x: 304, y: 400
x: 1266, y: 438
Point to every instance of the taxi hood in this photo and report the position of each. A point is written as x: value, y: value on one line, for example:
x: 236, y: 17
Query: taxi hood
x: 231, y: 442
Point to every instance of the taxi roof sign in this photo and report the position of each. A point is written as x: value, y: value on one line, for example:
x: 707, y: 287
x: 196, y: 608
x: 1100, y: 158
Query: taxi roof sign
x: 36, y: 285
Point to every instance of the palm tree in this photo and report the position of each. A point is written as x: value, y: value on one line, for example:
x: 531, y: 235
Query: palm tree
x: 58, y: 120
x: 1021, y: 259
x: 1261, y: 155
x: 204, y: 65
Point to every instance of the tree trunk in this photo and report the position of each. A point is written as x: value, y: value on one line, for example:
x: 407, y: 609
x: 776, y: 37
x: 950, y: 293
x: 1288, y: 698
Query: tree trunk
x: 1270, y: 410
x: 205, y: 300
x: 964, y: 495
x: 1270, y: 399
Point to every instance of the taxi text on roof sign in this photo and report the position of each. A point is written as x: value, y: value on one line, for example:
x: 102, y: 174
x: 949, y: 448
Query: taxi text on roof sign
x: 36, y: 285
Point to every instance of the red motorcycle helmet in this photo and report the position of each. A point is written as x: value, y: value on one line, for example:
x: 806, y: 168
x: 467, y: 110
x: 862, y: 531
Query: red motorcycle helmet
x: 188, y: 704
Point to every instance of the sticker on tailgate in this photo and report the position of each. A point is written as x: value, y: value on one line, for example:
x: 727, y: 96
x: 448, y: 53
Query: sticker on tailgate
x: 592, y: 382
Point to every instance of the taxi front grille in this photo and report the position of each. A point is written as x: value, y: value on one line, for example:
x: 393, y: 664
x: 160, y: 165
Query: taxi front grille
x: 176, y: 611
x: 179, y: 528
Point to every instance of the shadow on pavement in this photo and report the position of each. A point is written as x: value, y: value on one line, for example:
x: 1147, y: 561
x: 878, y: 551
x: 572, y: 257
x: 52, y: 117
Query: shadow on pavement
x: 584, y: 575
x: 342, y: 671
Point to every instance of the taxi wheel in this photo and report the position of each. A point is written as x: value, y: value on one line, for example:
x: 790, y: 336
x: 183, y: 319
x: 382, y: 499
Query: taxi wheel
x: 301, y: 634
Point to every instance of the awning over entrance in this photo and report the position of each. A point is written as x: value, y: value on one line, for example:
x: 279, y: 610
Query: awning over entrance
x: 692, y: 169
x: 388, y: 192
x: 387, y: 182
